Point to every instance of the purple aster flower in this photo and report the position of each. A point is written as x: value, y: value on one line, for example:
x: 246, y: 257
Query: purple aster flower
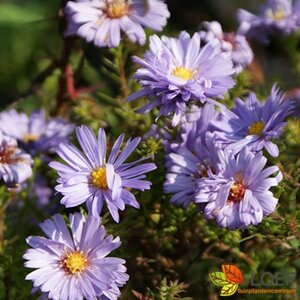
x: 176, y: 71
x: 232, y: 44
x: 75, y: 266
x: 275, y: 16
x: 15, y: 164
x: 254, y: 124
x: 90, y: 178
x: 241, y: 194
x: 35, y: 133
x: 101, y: 21
x: 196, y: 123
x: 189, y: 160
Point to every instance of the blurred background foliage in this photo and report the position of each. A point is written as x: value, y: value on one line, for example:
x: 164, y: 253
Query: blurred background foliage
x: 30, y: 39
x: 169, y: 250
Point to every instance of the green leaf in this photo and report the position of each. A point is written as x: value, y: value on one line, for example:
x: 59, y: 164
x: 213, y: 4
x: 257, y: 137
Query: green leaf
x: 218, y: 278
x: 14, y: 14
x: 294, y: 242
x: 229, y: 289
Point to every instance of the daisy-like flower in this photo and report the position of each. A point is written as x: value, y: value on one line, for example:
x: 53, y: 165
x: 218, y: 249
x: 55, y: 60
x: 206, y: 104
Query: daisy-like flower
x: 232, y: 44
x: 89, y: 177
x: 15, y: 164
x: 241, y: 194
x: 254, y: 124
x: 189, y: 160
x: 176, y: 71
x: 275, y: 16
x: 101, y: 21
x: 75, y: 266
x: 35, y: 133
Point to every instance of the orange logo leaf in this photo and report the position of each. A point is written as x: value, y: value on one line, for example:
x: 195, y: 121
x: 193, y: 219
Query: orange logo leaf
x: 233, y: 273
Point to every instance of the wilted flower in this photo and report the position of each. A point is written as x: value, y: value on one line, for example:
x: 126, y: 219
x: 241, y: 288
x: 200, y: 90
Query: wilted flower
x: 232, y: 44
x: 275, y: 16
x: 254, y: 124
x: 176, y: 71
x: 101, y: 21
x: 15, y: 164
x: 35, y: 133
x: 90, y: 178
x: 241, y: 194
x: 189, y: 160
x: 75, y: 266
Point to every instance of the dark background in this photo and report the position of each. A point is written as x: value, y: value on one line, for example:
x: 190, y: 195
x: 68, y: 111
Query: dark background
x: 30, y: 38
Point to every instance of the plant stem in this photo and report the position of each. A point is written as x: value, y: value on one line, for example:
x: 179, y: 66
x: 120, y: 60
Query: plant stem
x: 121, y: 57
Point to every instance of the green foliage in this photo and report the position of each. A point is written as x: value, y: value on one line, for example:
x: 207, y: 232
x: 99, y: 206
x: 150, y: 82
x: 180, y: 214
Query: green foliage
x: 165, y: 291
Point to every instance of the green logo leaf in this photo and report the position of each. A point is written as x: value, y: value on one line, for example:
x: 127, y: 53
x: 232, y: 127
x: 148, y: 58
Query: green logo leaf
x: 218, y: 278
x: 229, y: 289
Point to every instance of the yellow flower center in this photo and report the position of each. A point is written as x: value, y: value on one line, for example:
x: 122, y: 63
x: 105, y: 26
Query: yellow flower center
x: 183, y: 73
x: 116, y: 9
x: 275, y: 15
x: 98, y: 178
x: 28, y: 137
x: 256, y: 128
x: 74, y: 263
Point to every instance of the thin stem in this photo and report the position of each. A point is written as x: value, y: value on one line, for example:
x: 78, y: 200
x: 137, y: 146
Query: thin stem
x: 4, y: 204
x: 63, y: 94
x: 121, y: 57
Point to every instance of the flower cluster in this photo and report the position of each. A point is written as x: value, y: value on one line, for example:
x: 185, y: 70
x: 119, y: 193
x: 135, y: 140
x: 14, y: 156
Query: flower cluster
x: 218, y: 164
x: 216, y: 160
x: 176, y: 71
x: 275, y: 16
x: 77, y: 264
x: 232, y: 44
x: 101, y: 21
